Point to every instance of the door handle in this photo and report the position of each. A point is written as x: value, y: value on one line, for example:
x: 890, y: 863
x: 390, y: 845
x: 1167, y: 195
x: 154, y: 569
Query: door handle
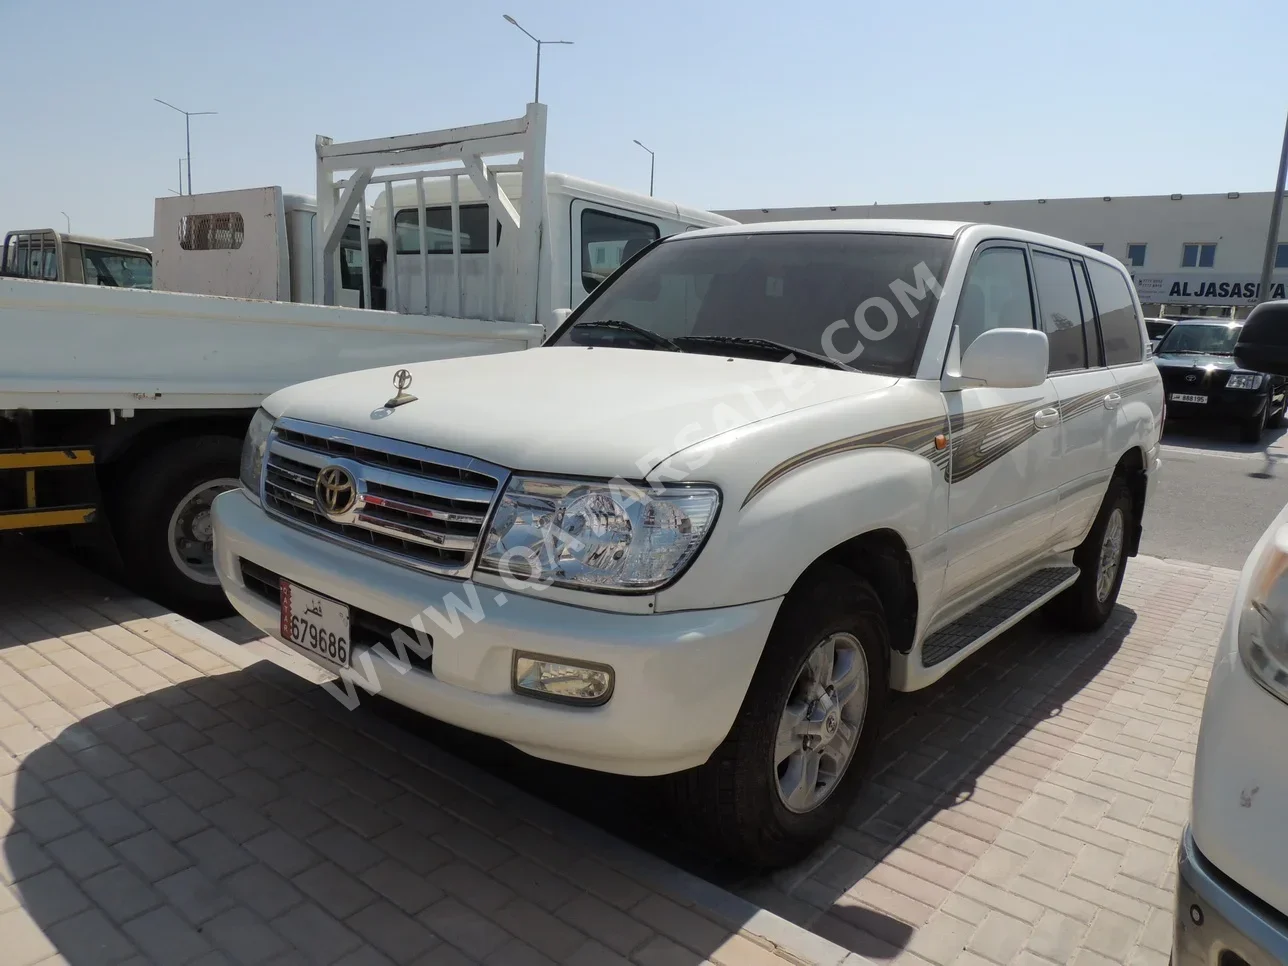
x: 1112, y: 400
x: 1046, y: 418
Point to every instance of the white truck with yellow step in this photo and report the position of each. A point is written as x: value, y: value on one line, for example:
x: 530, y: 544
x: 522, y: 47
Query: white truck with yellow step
x: 128, y: 407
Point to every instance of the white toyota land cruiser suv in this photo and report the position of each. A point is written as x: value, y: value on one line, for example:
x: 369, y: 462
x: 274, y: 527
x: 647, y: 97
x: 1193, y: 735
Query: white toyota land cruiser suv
x: 763, y: 475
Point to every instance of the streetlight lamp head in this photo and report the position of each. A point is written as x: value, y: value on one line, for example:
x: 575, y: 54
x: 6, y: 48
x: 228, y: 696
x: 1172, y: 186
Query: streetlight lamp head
x: 506, y: 16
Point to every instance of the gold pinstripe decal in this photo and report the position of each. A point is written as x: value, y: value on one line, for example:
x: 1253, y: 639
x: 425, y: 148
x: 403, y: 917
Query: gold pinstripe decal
x: 974, y: 443
x: 916, y: 437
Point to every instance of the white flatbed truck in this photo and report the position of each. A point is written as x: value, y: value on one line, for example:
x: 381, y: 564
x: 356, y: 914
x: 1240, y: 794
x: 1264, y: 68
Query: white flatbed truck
x: 122, y: 412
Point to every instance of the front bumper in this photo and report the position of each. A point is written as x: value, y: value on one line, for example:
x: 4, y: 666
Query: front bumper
x: 680, y: 678
x: 1216, y: 918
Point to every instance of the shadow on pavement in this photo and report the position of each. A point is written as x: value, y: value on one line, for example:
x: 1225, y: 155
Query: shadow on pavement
x: 936, y: 745
x: 248, y: 814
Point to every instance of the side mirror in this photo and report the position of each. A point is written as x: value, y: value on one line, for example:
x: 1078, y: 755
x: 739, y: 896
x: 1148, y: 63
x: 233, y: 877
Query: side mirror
x: 1006, y: 359
x: 1263, y: 341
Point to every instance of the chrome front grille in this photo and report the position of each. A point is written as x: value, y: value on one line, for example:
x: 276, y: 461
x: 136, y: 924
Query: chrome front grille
x: 415, y: 505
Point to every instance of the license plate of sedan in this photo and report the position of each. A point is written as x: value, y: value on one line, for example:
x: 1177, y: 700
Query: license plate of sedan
x: 316, y: 624
x: 1187, y: 397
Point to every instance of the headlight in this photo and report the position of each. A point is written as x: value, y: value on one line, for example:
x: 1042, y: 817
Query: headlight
x: 252, y: 456
x: 1263, y: 625
x: 1244, y: 380
x: 597, y: 536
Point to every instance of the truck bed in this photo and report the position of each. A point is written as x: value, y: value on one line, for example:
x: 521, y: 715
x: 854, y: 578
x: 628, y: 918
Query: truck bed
x: 71, y: 346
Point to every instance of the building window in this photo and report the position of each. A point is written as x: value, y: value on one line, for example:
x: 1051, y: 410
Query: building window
x: 1136, y: 255
x: 1281, y: 256
x: 1199, y: 255
x: 1096, y: 246
x: 217, y: 230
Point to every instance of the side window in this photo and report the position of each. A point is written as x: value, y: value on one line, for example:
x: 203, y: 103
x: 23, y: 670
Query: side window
x: 996, y: 295
x: 1094, y: 357
x: 351, y: 257
x: 117, y: 269
x: 1119, y: 327
x: 607, y: 241
x: 438, y: 230
x: 1061, y: 314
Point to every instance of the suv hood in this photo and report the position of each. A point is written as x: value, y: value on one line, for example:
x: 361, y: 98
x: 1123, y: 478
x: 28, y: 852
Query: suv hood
x: 1188, y: 360
x: 570, y: 409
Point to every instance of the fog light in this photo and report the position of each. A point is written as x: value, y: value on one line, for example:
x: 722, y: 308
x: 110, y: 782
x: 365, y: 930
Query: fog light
x: 542, y: 676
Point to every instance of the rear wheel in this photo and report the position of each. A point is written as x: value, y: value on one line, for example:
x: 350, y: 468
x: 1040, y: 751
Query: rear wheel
x: 1102, y: 558
x: 788, y: 770
x: 164, y: 529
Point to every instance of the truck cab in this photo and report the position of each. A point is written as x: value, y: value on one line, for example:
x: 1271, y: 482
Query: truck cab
x: 54, y: 256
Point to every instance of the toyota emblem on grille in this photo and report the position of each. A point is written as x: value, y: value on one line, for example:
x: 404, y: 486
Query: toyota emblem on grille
x: 336, y: 491
x: 1192, y: 377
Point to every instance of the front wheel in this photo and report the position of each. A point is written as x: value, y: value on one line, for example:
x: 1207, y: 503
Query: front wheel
x: 1251, y: 429
x: 788, y: 770
x: 164, y: 529
x: 1102, y: 558
x: 1276, y: 420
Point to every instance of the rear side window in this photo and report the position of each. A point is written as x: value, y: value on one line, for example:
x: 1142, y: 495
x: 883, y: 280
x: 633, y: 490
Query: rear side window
x: 1119, y: 327
x: 1062, y: 319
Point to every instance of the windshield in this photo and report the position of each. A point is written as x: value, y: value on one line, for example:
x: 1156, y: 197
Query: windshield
x: 117, y: 269
x: 863, y: 299
x: 1217, y: 340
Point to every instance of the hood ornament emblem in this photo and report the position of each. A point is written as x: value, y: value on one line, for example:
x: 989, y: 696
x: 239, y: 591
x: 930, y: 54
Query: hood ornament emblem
x: 402, y: 379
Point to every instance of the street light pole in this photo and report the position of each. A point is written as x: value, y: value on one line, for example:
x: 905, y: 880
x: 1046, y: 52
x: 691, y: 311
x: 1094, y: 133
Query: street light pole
x: 1276, y: 213
x: 536, y: 94
x: 69, y: 221
x: 652, y: 158
x: 187, y: 132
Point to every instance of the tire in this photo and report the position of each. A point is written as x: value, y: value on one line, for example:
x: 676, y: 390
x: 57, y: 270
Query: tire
x: 155, y: 492
x: 735, y: 798
x: 1087, y: 605
x: 1276, y: 421
x: 1250, y: 430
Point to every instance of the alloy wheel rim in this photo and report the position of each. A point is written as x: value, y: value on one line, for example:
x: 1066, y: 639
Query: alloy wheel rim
x: 821, y: 722
x: 1110, y: 554
x: 190, y: 535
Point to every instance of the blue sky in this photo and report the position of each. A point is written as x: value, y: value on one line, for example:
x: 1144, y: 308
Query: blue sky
x: 747, y: 104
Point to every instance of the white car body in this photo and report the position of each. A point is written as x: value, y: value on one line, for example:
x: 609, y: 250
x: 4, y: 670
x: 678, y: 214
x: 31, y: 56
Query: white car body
x: 805, y: 460
x: 1232, y: 892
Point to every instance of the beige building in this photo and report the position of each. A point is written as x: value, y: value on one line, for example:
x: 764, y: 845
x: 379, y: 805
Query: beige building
x: 1188, y: 254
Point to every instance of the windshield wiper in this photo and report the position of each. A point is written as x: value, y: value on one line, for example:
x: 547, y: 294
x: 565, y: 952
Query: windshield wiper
x: 767, y: 344
x: 661, y: 341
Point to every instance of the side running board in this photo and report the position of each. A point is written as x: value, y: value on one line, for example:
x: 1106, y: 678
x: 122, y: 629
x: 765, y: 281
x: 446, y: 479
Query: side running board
x: 996, y: 614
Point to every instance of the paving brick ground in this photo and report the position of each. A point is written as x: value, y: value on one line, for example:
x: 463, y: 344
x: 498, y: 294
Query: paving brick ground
x: 169, y: 797
x: 1027, y: 809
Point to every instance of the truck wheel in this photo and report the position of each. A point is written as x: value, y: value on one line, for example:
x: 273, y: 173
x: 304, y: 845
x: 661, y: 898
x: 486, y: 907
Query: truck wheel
x: 164, y: 528
x: 1251, y: 429
x: 787, y: 772
x: 1102, y: 558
